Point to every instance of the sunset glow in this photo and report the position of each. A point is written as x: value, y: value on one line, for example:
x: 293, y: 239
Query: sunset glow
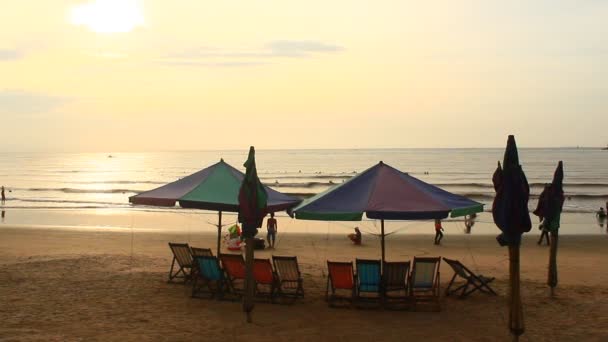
x: 108, y: 16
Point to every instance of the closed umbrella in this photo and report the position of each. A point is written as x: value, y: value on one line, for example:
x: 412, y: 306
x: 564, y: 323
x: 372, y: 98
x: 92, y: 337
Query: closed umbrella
x: 253, y: 206
x: 510, y: 213
x: 549, y: 209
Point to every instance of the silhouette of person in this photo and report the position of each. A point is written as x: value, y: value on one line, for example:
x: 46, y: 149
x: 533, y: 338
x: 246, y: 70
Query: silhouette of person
x: 438, y: 233
x: 469, y: 222
x: 272, y: 227
x: 356, y: 237
x: 3, y: 195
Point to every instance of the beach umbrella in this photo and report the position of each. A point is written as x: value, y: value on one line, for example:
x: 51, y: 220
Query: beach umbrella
x: 510, y: 212
x: 214, y: 188
x: 253, y: 206
x: 549, y: 209
x: 384, y: 193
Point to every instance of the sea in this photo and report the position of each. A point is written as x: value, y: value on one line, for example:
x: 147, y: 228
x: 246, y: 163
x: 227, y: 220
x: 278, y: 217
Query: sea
x: 92, y: 189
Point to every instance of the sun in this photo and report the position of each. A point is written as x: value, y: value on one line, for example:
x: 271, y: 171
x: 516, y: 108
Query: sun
x: 108, y: 16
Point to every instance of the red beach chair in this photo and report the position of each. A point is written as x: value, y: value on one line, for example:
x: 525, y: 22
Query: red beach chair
x: 341, y: 278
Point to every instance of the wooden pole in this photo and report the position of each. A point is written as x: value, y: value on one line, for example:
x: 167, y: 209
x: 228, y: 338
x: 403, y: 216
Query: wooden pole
x: 382, y: 239
x: 219, y: 233
x: 516, y: 315
x: 552, y: 276
x: 249, y: 281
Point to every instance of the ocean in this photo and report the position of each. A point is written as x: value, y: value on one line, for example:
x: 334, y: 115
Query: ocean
x: 58, y: 188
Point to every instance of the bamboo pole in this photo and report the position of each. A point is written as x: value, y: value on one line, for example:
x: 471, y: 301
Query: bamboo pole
x: 516, y: 315
x: 552, y: 276
x: 249, y: 281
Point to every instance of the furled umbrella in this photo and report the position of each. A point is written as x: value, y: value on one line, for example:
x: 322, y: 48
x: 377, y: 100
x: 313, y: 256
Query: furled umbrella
x: 213, y: 188
x: 384, y: 193
x: 510, y: 212
x: 549, y: 209
x: 252, y: 209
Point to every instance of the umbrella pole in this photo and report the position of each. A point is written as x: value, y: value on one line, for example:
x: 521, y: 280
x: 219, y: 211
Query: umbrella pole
x: 219, y: 232
x: 516, y: 315
x: 382, y: 239
x: 249, y: 281
x: 552, y: 276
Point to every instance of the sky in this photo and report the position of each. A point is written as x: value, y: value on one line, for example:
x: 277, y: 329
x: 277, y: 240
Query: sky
x: 157, y: 75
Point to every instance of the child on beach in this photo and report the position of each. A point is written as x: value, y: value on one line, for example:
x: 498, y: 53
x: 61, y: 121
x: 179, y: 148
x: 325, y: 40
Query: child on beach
x: 544, y: 234
x: 438, y: 233
x: 356, y: 237
x: 271, y: 226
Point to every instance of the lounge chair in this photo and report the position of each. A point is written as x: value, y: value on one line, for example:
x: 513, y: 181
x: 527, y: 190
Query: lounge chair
x: 264, y: 276
x: 369, y: 280
x: 183, y: 258
x: 234, y: 266
x: 195, y: 251
x: 424, y: 281
x: 341, y: 277
x: 210, y: 277
x: 289, y: 276
x: 473, y: 282
x: 395, y: 278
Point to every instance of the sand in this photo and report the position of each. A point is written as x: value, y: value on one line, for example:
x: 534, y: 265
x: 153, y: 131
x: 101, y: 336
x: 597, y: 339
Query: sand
x: 102, y: 284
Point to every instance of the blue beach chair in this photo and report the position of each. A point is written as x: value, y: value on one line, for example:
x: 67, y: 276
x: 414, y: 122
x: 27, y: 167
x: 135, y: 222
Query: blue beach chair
x: 209, y: 278
x: 369, y: 281
x: 424, y: 281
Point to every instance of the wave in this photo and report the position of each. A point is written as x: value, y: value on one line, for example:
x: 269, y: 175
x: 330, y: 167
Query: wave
x: 83, y: 191
x: 490, y: 196
x: 534, y: 185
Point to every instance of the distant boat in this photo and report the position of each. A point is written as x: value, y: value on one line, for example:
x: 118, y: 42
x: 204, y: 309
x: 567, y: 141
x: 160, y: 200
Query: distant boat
x: 110, y: 156
x: 605, y: 148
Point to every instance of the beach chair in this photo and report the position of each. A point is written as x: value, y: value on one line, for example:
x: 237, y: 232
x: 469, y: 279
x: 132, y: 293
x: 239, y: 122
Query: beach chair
x: 234, y: 266
x: 182, y: 257
x: 264, y: 276
x: 195, y: 251
x: 369, y: 281
x: 209, y: 278
x: 424, y: 281
x: 289, y: 277
x: 395, y: 276
x: 341, y: 278
x: 473, y: 282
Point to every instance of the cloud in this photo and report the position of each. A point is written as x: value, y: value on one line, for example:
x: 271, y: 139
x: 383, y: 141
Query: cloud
x: 225, y: 57
x: 9, y: 54
x: 24, y: 102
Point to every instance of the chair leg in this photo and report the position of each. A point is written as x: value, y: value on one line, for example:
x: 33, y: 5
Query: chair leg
x: 447, y: 290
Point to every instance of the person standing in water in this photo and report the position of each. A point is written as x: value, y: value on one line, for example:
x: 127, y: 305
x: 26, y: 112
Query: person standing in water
x: 438, y: 233
x: 272, y: 227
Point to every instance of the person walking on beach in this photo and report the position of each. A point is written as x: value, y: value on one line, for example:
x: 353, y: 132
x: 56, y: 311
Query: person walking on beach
x: 356, y: 237
x: 438, y: 233
x: 469, y: 221
x: 272, y: 227
x: 3, y: 196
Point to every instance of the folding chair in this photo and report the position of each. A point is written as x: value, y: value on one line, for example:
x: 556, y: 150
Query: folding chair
x: 424, y: 281
x: 473, y: 282
x: 210, y: 277
x: 369, y: 281
x: 183, y: 257
x: 395, y: 276
x: 195, y: 251
x: 234, y: 266
x: 264, y: 275
x: 289, y: 277
x: 341, y: 277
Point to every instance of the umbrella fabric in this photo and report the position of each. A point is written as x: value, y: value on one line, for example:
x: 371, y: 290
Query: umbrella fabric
x: 213, y: 188
x: 252, y: 198
x: 383, y: 192
x: 510, y: 206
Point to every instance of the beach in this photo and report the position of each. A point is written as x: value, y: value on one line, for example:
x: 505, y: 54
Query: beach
x: 75, y: 284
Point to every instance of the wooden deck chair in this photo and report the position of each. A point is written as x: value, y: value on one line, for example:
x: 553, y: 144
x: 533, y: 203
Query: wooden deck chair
x: 424, y: 281
x: 341, y: 277
x: 369, y: 281
x: 195, y: 251
x: 210, y: 277
x: 395, y: 276
x: 234, y: 266
x: 264, y: 277
x: 473, y: 282
x: 183, y: 258
x: 289, y: 277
